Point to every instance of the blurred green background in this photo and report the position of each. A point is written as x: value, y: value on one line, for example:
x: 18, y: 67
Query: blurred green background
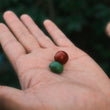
x: 83, y: 21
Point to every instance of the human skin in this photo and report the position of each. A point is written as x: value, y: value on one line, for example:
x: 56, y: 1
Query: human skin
x: 108, y: 29
x: 83, y: 85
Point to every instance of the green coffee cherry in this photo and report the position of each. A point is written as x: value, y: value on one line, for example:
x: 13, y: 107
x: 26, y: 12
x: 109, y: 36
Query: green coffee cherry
x: 56, y: 67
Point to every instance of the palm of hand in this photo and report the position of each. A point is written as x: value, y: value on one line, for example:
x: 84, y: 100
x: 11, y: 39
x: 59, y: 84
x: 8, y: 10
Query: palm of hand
x: 70, y: 85
x: 81, y: 86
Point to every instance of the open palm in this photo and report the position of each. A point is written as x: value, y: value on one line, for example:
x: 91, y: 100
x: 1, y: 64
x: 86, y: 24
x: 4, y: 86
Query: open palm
x: 82, y: 86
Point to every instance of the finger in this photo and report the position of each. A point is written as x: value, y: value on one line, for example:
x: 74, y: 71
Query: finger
x: 59, y: 38
x: 10, y: 45
x: 108, y: 29
x: 20, y: 31
x: 43, y: 40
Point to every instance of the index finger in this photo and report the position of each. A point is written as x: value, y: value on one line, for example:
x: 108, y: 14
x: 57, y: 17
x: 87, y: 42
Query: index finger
x: 57, y: 35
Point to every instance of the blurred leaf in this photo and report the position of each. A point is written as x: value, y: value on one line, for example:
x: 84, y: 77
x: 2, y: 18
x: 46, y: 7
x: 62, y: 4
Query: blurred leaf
x: 76, y: 23
x: 4, y: 3
x: 14, y: 1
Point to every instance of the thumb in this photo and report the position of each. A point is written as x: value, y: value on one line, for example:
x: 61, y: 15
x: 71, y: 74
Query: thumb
x: 10, y: 98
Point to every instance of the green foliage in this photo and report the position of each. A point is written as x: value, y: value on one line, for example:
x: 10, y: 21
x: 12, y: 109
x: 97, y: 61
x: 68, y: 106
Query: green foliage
x: 83, y: 21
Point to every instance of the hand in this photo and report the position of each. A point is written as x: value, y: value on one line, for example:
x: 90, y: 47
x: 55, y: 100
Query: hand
x: 83, y: 85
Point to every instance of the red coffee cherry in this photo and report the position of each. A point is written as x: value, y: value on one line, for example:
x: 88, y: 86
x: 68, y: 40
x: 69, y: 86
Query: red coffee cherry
x: 61, y: 57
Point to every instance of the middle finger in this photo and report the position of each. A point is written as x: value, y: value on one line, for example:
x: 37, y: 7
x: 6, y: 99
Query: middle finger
x: 20, y: 31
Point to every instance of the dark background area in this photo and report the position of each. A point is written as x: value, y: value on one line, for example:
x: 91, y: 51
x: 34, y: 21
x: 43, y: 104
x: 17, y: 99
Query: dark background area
x: 83, y: 21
